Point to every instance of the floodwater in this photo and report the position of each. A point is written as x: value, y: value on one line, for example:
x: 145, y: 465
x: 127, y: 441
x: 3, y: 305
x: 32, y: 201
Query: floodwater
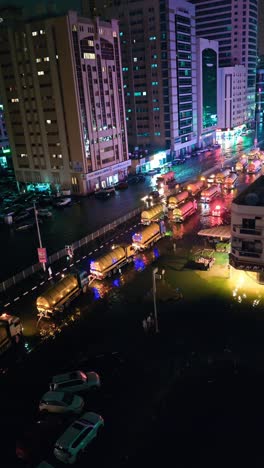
x: 19, y: 249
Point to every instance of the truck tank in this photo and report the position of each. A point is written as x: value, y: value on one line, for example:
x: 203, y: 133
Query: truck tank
x: 5, y: 339
x: 209, y: 192
x: 152, y: 213
x: 196, y: 187
x: 108, y: 259
x: 146, y: 234
x: 220, y: 176
x: 53, y: 295
x: 254, y: 166
x: 165, y: 178
x: 184, y: 208
x: 176, y: 199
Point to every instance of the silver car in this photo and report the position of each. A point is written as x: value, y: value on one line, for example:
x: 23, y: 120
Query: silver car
x: 61, y: 402
x: 76, y: 381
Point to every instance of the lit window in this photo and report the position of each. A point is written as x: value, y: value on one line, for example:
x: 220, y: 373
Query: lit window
x: 154, y: 65
x: 23, y: 155
x: 135, y: 59
x: 42, y: 31
x: 125, y: 68
x: 144, y: 93
x: 38, y: 60
x: 34, y: 33
x: 15, y: 100
x: 114, y: 34
x: 48, y: 122
x: 103, y: 69
x: 101, y: 31
x: 137, y: 93
x: 152, y: 38
x: 121, y: 33
x: 57, y: 57
x: 90, y: 43
x: 129, y: 110
x: 59, y: 156
x: 154, y: 83
x: 46, y: 59
x: 41, y: 72
x: 54, y: 155
x: 88, y: 56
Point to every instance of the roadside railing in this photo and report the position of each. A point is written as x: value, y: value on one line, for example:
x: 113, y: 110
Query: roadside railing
x: 62, y: 253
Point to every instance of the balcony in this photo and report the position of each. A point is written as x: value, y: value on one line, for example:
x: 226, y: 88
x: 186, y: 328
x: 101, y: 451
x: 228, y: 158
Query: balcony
x: 238, y: 251
x: 239, y: 229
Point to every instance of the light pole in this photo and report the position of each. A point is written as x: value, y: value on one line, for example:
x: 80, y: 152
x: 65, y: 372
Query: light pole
x: 39, y: 236
x: 154, y: 277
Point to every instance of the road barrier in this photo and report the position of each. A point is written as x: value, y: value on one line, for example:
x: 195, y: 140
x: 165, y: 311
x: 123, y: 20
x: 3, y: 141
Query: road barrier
x: 62, y: 253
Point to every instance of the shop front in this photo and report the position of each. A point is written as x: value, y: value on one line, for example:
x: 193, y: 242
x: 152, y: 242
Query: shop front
x: 107, y: 177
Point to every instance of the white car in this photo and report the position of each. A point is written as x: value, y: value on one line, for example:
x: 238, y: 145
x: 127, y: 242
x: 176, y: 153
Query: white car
x: 61, y: 402
x: 75, y: 381
x: 74, y: 440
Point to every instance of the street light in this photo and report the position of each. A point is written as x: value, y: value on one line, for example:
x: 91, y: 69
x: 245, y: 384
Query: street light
x: 154, y: 273
x: 39, y: 236
x: 154, y: 277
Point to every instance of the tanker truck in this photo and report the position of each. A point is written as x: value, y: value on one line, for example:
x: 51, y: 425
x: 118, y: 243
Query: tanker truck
x: 150, y: 234
x: 230, y: 181
x: 10, y: 331
x: 166, y: 179
x: 111, y: 262
x: 195, y: 188
x: 208, y: 194
x: 61, y: 294
x: 154, y: 213
x: 183, y: 211
x: 254, y: 166
x: 221, y: 176
x: 174, y: 200
x: 241, y: 165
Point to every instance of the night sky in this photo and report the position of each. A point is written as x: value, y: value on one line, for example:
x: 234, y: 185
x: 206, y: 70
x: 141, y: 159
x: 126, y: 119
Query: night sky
x: 29, y: 5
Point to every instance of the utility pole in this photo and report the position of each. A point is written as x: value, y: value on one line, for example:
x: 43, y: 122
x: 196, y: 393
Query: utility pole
x: 39, y: 236
x: 154, y: 272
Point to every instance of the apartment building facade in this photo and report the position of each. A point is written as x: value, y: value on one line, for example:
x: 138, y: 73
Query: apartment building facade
x: 247, y: 229
x: 62, y: 90
x: 232, y: 97
x: 233, y: 23
x: 158, y: 46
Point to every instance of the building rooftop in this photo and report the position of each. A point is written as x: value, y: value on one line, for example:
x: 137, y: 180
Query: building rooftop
x: 253, y: 195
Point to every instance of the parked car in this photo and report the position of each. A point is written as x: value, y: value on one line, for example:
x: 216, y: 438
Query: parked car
x: 102, y: 195
x: 61, y: 402
x: 154, y: 194
x: 80, y: 433
x: 121, y: 185
x: 179, y: 161
x: 36, y: 441
x: 133, y: 180
x: 75, y: 381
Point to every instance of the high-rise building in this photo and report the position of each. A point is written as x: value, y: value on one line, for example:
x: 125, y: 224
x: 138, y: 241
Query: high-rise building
x: 62, y: 90
x: 5, y: 153
x: 207, y: 86
x: 232, y: 97
x: 260, y: 90
x: 158, y: 44
x: 233, y: 23
x: 261, y: 28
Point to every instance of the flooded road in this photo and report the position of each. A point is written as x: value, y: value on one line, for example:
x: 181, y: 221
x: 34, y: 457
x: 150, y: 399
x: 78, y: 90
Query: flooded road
x: 19, y: 249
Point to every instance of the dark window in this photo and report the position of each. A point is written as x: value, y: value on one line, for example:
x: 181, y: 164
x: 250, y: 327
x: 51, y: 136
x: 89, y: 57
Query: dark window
x: 248, y: 223
x: 81, y: 436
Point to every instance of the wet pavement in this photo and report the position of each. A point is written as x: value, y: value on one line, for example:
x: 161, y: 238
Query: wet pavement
x: 19, y: 249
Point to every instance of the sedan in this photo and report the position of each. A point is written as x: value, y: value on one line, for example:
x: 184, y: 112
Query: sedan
x: 61, y: 402
x: 79, y: 434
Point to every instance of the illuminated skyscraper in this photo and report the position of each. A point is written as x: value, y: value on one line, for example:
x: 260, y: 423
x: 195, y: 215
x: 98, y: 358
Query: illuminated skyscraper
x: 158, y: 46
x: 233, y: 23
